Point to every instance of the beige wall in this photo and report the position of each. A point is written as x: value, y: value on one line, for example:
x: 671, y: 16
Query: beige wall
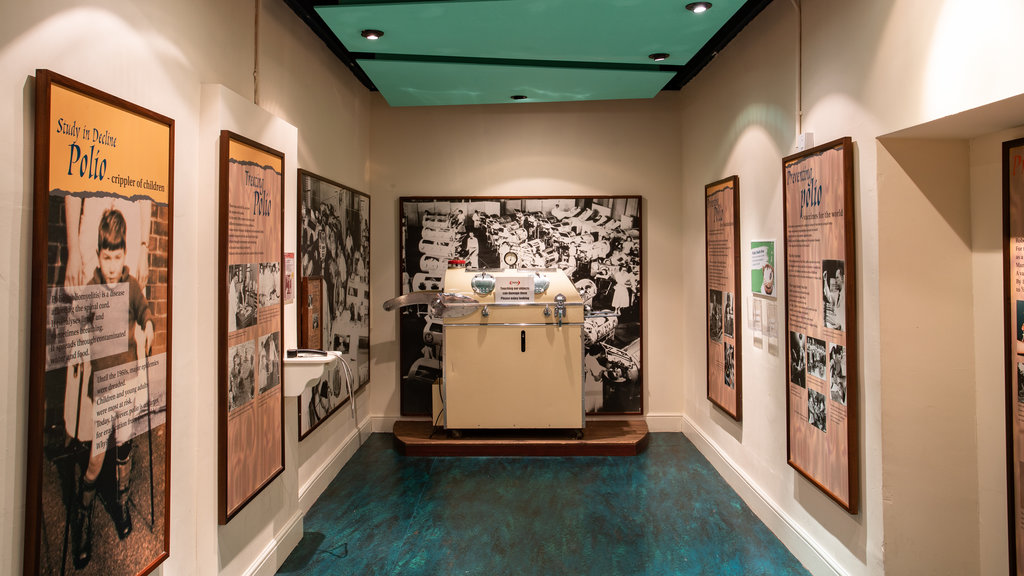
x: 621, y: 147
x: 931, y: 466
x: 159, y: 55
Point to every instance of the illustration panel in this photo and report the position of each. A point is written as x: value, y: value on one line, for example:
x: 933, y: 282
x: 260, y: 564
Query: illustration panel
x: 251, y: 418
x: 820, y: 318
x: 98, y: 487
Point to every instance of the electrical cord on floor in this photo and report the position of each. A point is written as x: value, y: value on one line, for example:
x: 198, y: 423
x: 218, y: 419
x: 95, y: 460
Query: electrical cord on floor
x: 439, y: 414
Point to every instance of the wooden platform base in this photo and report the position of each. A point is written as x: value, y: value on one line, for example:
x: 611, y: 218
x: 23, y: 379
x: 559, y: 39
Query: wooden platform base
x: 600, y: 438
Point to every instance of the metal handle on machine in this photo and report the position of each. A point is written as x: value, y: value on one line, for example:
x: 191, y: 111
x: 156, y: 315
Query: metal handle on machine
x: 559, y: 308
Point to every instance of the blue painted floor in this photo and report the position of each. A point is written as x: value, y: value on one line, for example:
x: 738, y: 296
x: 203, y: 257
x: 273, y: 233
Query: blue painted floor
x: 666, y: 511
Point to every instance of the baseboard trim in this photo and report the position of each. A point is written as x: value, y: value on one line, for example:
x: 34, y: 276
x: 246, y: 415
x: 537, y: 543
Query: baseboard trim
x: 791, y: 534
x: 318, y: 481
x: 664, y: 422
x: 277, y: 550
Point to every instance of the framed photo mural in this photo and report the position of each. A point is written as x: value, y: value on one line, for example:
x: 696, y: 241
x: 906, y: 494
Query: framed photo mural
x: 251, y: 416
x: 1013, y: 288
x: 98, y: 486
x: 334, y: 266
x: 596, y: 240
x: 821, y: 403
x: 725, y: 319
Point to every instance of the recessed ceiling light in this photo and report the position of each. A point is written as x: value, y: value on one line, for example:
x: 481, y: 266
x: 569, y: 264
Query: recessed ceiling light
x: 658, y: 56
x: 518, y: 97
x: 698, y: 7
x: 372, y: 34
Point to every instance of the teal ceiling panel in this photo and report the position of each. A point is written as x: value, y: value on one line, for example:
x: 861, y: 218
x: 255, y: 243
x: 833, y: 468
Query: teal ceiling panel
x: 596, y: 31
x: 419, y: 83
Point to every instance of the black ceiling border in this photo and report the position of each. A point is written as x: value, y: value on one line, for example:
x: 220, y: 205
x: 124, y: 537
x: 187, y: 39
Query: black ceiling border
x: 305, y: 10
x: 717, y: 43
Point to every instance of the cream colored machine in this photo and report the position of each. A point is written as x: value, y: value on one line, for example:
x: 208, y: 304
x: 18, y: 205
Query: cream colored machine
x: 516, y: 359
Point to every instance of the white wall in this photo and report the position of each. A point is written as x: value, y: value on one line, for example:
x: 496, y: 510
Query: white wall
x: 159, y: 56
x: 596, y: 148
x: 868, y: 68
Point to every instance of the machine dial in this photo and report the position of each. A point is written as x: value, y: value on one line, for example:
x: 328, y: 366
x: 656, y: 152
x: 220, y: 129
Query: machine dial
x: 511, y: 259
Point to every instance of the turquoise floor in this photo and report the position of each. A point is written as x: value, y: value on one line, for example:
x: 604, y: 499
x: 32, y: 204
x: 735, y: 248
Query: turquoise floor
x: 666, y: 511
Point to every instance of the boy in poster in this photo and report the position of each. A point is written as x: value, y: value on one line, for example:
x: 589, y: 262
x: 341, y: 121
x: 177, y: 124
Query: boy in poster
x: 115, y: 375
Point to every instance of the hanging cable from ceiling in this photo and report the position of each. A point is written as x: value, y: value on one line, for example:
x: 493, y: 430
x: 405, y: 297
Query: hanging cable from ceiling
x: 256, y: 57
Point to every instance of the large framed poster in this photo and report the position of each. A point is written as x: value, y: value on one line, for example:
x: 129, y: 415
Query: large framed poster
x: 334, y: 244
x: 251, y: 416
x: 594, y: 239
x: 821, y: 403
x: 1013, y: 289
x: 722, y: 240
x: 98, y: 486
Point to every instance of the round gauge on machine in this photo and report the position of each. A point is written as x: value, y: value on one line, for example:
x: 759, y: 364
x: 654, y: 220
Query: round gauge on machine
x: 511, y: 259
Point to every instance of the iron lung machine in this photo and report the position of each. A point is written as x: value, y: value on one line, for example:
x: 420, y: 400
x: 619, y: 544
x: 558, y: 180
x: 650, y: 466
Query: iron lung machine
x: 513, y: 349
x: 515, y: 361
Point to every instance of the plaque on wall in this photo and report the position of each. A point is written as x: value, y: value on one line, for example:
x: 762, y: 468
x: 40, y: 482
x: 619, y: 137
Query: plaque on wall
x: 722, y: 261
x: 251, y: 260
x: 821, y: 328
x: 98, y: 487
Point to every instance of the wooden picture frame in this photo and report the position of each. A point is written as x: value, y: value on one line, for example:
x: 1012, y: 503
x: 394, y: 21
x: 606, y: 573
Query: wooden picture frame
x: 1013, y: 312
x: 250, y: 368
x: 99, y: 420
x: 310, y: 329
x: 821, y: 319
x: 595, y: 239
x: 723, y: 295
x: 334, y: 244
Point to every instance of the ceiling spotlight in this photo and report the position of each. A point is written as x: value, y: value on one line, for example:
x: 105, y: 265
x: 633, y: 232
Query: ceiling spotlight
x: 372, y: 34
x: 658, y: 56
x: 518, y: 97
x: 698, y: 7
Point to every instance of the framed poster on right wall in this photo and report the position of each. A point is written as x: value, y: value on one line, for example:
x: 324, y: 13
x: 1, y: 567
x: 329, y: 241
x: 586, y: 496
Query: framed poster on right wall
x: 1013, y: 303
x: 821, y: 319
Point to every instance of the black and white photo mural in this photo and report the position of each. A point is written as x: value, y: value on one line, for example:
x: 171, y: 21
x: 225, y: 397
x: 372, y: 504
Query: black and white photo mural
x: 334, y: 245
x: 596, y: 240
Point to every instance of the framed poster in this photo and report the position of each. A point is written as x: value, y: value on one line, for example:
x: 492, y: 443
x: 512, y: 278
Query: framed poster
x: 334, y: 244
x: 594, y: 239
x: 310, y: 331
x: 98, y: 487
x: 762, y: 268
x: 725, y: 320
x: 251, y: 416
x: 821, y: 404
x: 1013, y: 289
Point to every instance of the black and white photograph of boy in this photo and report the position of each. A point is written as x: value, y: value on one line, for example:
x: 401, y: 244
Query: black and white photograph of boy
x: 730, y: 365
x: 269, y: 361
x: 730, y: 315
x: 797, y: 359
x: 270, y: 283
x: 242, y: 296
x: 816, y: 409
x: 715, y: 315
x: 833, y: 287
x: 837, y: 373
x: 816, y: 357
x: 104, y: 440
x: 241, y: 379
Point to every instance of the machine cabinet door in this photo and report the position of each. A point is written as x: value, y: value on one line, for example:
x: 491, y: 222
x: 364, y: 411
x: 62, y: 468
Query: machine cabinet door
x: 513, y: 377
